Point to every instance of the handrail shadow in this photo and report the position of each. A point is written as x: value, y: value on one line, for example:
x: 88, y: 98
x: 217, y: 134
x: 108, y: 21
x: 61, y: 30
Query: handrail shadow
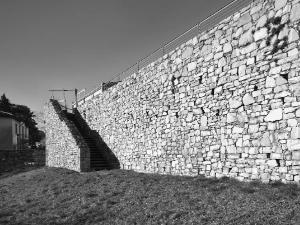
x: 107, y: 153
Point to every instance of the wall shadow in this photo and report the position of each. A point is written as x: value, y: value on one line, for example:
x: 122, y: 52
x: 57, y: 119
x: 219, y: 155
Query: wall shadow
x: 106, y: 152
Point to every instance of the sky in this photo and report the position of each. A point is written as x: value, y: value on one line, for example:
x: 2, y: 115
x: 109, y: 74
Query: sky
x: 69, y: 44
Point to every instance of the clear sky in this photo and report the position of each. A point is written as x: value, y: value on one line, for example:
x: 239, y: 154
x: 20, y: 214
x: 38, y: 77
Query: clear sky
x: 80, y: 43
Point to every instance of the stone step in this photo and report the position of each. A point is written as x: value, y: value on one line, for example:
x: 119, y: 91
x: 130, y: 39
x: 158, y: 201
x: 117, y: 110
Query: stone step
x: 97, y: 160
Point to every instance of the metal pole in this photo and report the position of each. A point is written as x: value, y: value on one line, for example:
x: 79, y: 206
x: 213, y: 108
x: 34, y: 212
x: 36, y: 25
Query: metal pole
x: 65, y: 100
x: 76, y: 99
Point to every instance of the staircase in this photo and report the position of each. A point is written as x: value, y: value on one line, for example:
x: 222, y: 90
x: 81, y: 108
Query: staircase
x: 97, y: 159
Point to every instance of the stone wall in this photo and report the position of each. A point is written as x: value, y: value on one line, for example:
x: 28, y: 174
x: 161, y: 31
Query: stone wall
x: 65, y: 146
x: 226, y: 103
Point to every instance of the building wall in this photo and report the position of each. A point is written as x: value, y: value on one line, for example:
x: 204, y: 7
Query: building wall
x: 20, y: 135
x: 226, y: 103
x: 13, y: 134
x: 6, y: 141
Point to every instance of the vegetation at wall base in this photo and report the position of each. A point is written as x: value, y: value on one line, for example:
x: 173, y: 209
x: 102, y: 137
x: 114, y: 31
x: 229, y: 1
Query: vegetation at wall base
x: 60, y: 196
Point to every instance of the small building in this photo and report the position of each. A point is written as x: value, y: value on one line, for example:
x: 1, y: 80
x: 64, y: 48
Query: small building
x: 14, y: 134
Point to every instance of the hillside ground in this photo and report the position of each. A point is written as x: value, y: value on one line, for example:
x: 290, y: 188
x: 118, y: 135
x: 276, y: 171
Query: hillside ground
x: 60, y: 196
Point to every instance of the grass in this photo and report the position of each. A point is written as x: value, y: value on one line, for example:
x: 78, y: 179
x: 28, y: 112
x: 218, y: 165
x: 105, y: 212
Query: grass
x: 59, y: 196
x: 12, y: 170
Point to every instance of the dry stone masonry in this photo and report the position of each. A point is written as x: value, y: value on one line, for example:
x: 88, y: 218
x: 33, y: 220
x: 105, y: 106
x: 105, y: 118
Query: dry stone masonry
x: 226, y: 103
x: 65, y: 146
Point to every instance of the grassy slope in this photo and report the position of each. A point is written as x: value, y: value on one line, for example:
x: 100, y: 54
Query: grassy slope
x: 58, y: 196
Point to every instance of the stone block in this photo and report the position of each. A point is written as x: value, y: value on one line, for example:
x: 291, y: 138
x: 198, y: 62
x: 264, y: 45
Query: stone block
x: 271, y: 126
x: 218, y: 55
x: 276, y: 156
x: 233, y: 156
x: 295, y: 14
x: 231, y: 149
x: 282, y: 170
x: 206, y: 49
x: 187, y: 52
x: 297, y: 178
x: 293, y: 52
x: 238, y: 32
x: 280, y: 81
x: 280, y: 4
x: 265, y: 177
x: 227, y: 48
x: 195, y: 41
x: 246, y: 38
x: 192, y: 66
x: 298, y: 113
x: 295, y: 133
x: 253, y: 128
x: 237, y: 130
x: 293, y: 144
x: 244, y: 19
x: 255, y: 9
x: 248, y: 99
x: 262, y: 21
x: 293, y: 35
x: 296, y: 155
x: 203, y: 121
x: 249, y: 48
x: 218, y: 34
x: 222, y: 62
x: 235, y: 103
x: 270, y: 82
x: 261, y: 34
x: 242, y: 70
x: 272, y: 163
x: 274, y: 115
x: 189, y: 117
x: 265, y: 140
x: 251, y: 61
x: 231, y: 117
x: 295, y: 88
x: 242, y: 117
x: 283, y: 33
x: 275, y: 70
x: 164, y: 78
x: 292, y: 122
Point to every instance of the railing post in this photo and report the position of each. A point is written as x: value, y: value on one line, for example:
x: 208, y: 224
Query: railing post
x: 65, y: 100
x: 76, y: 98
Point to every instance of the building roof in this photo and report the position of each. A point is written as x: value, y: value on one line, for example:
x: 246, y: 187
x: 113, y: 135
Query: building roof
x: 6, y: 115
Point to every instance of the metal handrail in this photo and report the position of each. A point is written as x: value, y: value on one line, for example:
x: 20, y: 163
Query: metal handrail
x: 63, y: 107
x: 161, y: 51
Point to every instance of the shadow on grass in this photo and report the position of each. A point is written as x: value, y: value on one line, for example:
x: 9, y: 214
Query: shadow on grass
x: 272, y: 191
